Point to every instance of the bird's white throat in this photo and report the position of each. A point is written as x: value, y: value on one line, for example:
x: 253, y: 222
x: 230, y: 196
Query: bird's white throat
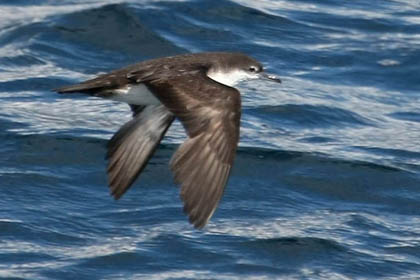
x: 230, y: 78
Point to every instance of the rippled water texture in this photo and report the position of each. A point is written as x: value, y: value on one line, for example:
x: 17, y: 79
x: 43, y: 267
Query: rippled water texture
x: 326, y: 183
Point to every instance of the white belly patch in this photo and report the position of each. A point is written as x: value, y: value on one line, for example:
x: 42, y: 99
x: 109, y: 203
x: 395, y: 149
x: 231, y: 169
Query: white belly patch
x: 136, y: 95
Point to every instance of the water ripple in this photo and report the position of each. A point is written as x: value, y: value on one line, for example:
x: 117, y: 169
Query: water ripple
x: 326, y: 180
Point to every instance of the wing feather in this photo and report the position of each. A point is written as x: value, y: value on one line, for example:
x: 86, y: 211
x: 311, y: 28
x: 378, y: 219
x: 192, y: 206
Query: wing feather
x: 131, y: 147
x: 211, y: 117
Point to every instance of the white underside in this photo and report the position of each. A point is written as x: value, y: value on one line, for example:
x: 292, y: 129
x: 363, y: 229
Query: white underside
x: 137, y: 95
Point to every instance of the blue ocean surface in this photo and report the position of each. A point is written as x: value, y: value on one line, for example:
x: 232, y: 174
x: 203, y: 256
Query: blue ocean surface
x: 326, y: 182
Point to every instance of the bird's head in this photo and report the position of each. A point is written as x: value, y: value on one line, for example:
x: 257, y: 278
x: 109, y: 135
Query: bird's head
x: 236, y: 68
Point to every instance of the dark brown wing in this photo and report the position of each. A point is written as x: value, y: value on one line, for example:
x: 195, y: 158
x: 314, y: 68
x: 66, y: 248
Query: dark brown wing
x: 131, y: 147
x: 145, y: 71
x: 211, y: 117
x: 103, y: 85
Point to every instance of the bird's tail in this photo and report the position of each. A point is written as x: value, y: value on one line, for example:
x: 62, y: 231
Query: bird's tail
x: 82, y: 88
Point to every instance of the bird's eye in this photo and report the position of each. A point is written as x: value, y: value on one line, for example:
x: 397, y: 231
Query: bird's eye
x: 252, y: 69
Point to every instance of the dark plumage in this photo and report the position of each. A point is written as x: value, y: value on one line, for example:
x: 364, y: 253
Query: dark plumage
x: 209, y: 111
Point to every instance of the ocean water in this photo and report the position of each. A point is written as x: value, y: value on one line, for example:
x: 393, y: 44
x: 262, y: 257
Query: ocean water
x: 326, y: 183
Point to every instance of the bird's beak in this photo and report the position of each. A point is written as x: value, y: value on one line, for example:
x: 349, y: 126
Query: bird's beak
x: 270, y: 77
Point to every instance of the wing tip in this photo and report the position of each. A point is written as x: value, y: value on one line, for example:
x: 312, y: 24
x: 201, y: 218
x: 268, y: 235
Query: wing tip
x: 114, y: 193
x: 198, y: 223
x: 199, y: 219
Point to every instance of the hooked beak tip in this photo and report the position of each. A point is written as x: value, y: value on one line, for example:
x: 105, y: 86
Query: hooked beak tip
x: 271, y: 77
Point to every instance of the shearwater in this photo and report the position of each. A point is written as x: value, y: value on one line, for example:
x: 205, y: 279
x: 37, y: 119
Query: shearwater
x: 197, y: 89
